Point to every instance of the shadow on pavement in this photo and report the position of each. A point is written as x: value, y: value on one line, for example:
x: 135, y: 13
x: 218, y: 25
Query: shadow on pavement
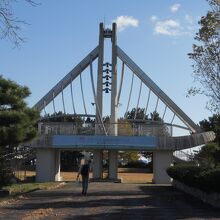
x: 142, y: 202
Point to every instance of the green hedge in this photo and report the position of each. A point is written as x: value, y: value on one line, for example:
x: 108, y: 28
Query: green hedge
x: 5, y: 176
x: 205, y: 179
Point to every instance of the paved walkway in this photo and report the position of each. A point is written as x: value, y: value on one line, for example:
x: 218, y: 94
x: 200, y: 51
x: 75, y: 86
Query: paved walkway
x: 108, y: 201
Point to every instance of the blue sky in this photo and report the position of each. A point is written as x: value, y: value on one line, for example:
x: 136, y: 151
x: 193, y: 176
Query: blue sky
x: 157, y: 35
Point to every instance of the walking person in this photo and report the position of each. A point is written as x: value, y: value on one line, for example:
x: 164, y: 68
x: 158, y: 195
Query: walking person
x: 84, y: 172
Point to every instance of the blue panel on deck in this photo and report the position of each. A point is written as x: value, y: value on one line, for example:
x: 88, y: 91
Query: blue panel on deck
x: 70, y: 141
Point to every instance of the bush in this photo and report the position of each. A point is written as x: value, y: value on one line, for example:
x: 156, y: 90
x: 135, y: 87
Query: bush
x: 136, y: 164
x: 5, y: 176
x: 209, y: 155
x: 202, y: 178
x: 211, y: 180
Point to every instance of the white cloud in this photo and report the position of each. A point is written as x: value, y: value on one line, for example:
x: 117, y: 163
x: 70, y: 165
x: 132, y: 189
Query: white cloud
x: 190, y: 28
x: 153, y: 18
x: 168, y: 27
x: 189, y: 19
x: 171, y: 27
x: 126, y: 21
x: 174, y: 8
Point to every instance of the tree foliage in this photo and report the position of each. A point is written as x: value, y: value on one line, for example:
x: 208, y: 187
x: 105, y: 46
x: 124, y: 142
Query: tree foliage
x: 139, y: 113
x: 124, y: 127
x: 17, y: 121
x: 61, y: 117
x: 206, y: 57
x: 212, y: 124
x: 209, y: 155
x: 136, y: 114
x: 129, y: 156
x: 10, y: 25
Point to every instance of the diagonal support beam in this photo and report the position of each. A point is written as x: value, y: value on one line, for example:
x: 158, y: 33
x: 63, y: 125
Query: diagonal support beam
x: 63, y: 83
x: 156, y: 90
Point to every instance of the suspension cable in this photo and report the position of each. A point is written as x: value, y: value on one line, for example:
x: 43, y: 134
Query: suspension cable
x: 139, y: 95
x: 121, y: 81
x: 95, y: 97
x: 71, y: 88
x: 164, y: 112
x: 148, y: 99
x: 84, y: 104
x: 64, y: 109
x: 156, y: 104
x: 131, y: 87
x: 173, y: 118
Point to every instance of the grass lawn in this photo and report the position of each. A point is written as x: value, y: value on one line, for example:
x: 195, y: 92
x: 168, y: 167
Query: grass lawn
x: 19, y: 188
x: 127, y: 176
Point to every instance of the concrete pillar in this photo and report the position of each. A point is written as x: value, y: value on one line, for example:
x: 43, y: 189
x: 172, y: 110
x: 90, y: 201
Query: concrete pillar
x: 57, y: 165
x: 100, y: 80
x: 113, y: 164
x: 48, y: 165
x: 97, y: 154
x: 161, y: 161
x: 114, y: 104
x: 97, y: 164
x: 113, y: 154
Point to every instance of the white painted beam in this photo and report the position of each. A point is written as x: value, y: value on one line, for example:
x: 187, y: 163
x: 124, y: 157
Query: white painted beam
x: 63, y: 83
x: 157, y: 91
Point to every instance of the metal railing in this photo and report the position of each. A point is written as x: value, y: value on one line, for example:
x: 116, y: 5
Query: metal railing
x: 124, y: 129
x: 183, y: 156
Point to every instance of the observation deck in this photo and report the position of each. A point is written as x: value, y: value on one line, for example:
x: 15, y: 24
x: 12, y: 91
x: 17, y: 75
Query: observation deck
x: 131, y: 136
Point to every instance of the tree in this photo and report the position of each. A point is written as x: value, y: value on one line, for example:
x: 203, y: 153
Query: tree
x: 209, y: 155
x: 18, y: 123
x: 124, y: 127
x: 212, y: 124
x: 129, y: 156
x: 155, y: 116
x: 139, y: 114
x: 62, y: 117
x: 154, y: 124
x: 206, y: 57
x: 10, y: 25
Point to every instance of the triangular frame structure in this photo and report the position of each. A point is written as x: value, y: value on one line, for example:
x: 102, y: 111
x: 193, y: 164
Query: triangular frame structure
x: 117, y: 52
x: 49, y: 145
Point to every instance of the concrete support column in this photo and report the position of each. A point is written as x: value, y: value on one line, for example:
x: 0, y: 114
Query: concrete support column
x: 97, y: 164
x: 57, y: 165
x: 48, y: 165
x: 114, y: 104
x: 161, y: 161
x: 97, y: 154
x: 113, y: 164
x: 113, y: 154
x: 99, y: 92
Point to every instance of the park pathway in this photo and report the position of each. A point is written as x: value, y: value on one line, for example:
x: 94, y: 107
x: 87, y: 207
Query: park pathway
x: 108, y: 201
